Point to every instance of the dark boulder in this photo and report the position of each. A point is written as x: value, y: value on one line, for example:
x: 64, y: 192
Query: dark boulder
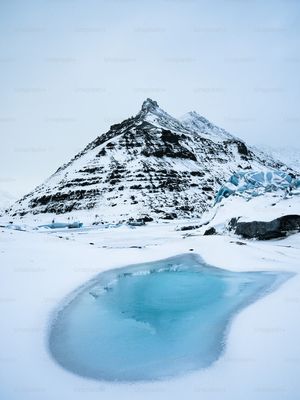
x: 146, y: 218
x: 188, y: 227
x: 210, y: 231
x: 265, y: 230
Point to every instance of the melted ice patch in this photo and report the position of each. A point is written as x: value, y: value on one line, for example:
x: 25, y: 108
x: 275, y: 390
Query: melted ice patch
x: 152, y: 321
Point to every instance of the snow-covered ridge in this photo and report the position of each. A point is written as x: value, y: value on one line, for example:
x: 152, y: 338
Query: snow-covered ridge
x: 151, y: 165
x: 195, y: 122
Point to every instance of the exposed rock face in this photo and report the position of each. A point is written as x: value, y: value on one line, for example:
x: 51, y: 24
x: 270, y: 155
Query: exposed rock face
x: 210, y: 231
x: 263, y: 230
x: 151, y: 164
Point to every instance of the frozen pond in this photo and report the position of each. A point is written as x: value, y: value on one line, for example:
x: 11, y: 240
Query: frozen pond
x: 154, y: 320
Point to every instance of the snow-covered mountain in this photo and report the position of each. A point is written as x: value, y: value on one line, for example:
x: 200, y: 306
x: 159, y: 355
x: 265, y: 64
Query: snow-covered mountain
x: 151, y: 165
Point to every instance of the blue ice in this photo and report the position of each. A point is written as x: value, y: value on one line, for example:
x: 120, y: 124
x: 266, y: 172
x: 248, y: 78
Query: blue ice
x: 154, y: 320
x: 253, y: 183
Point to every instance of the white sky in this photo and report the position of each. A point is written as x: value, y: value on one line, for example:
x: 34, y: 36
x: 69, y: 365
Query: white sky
x: 71, y: 68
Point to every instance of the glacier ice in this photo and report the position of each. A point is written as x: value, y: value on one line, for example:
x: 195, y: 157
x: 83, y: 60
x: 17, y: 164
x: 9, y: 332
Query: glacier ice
x: 255, y: 183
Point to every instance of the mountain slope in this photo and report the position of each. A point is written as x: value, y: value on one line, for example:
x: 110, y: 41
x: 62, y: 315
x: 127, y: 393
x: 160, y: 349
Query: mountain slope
x: 151, y: 164
x: 288, y: 155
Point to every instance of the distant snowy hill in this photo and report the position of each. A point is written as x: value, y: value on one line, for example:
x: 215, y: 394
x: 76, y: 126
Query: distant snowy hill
x: 6, y: 200
x: 288, y: 155
x: 151, y: 165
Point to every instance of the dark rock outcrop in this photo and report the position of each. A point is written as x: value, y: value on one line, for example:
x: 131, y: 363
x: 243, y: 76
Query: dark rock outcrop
x: 210, y: 231
x: 265, y: 230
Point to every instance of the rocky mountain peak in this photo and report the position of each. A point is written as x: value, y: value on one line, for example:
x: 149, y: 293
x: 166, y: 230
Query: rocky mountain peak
x: 153, y: 114
x: 149, y: 105
x: 150, y: 111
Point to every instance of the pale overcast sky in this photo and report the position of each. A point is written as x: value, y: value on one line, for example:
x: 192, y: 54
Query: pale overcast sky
x: 71, y: 68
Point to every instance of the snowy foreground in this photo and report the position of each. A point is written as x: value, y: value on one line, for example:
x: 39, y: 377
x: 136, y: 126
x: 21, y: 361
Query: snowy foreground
x: 262, y: 355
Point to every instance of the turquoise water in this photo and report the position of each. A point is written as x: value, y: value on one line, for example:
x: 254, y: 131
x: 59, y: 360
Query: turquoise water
x: 152, y: 321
